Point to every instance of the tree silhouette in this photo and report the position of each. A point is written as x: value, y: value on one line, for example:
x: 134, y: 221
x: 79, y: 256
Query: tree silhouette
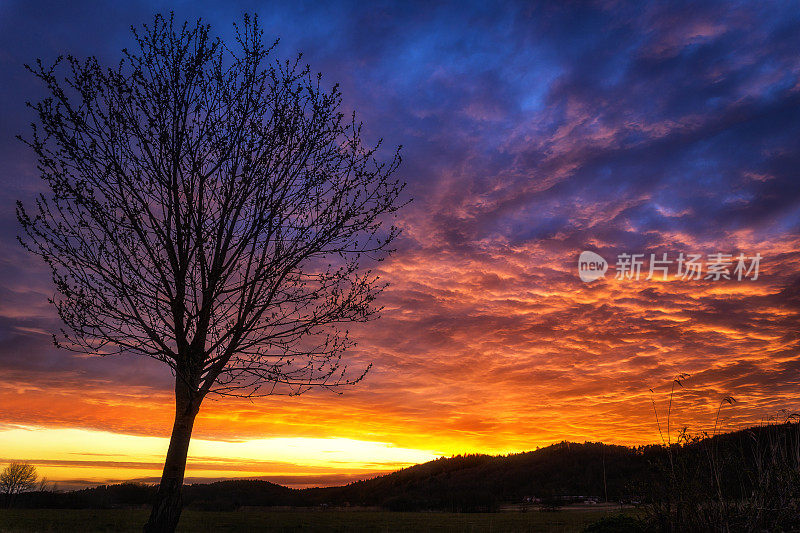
x: 212, y: 208
x: 16, y: 478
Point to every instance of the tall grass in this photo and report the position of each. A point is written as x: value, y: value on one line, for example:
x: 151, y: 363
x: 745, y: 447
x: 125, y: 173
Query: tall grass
x: 738, y: 482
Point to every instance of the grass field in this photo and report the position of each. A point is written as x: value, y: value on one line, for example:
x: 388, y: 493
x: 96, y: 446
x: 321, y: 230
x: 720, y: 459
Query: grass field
x: 33, y: 520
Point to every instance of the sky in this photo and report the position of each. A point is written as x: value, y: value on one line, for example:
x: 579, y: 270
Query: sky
x: 531, y: 132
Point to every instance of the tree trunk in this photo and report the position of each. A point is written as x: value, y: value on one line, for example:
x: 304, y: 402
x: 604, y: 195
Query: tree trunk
x: 167, y: 505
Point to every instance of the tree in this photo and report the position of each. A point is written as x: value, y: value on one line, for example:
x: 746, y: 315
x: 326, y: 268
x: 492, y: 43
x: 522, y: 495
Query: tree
x: 212, y: 208
x: 17, y: 477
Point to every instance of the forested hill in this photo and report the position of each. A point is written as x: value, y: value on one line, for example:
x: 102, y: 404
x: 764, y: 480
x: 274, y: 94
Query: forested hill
x: 564, y: 469
x: 482, y: 482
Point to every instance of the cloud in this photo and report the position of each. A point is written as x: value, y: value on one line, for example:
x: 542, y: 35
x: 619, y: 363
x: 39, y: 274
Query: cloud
x: 530, y: 134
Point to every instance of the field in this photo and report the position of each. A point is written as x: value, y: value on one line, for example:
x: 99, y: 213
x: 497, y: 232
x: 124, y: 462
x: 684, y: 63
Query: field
x: 90, y: 520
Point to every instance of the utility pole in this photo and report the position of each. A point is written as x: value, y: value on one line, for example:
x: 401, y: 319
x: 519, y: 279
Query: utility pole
x: 605, y: 487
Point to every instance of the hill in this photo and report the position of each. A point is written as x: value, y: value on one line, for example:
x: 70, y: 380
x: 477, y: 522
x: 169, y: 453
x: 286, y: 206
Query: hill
x: 557, y: 473
x: 482, y: 482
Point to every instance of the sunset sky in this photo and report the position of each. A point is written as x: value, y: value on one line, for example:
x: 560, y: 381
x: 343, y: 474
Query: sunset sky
x: 530, y: 133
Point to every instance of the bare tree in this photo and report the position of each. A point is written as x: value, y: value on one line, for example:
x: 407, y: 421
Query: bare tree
x: 44, y: 485
x: 211, y: 208
x: 17, y: 477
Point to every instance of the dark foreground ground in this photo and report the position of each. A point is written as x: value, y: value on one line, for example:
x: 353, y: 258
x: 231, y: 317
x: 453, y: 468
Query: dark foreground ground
x: 90, y: 520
